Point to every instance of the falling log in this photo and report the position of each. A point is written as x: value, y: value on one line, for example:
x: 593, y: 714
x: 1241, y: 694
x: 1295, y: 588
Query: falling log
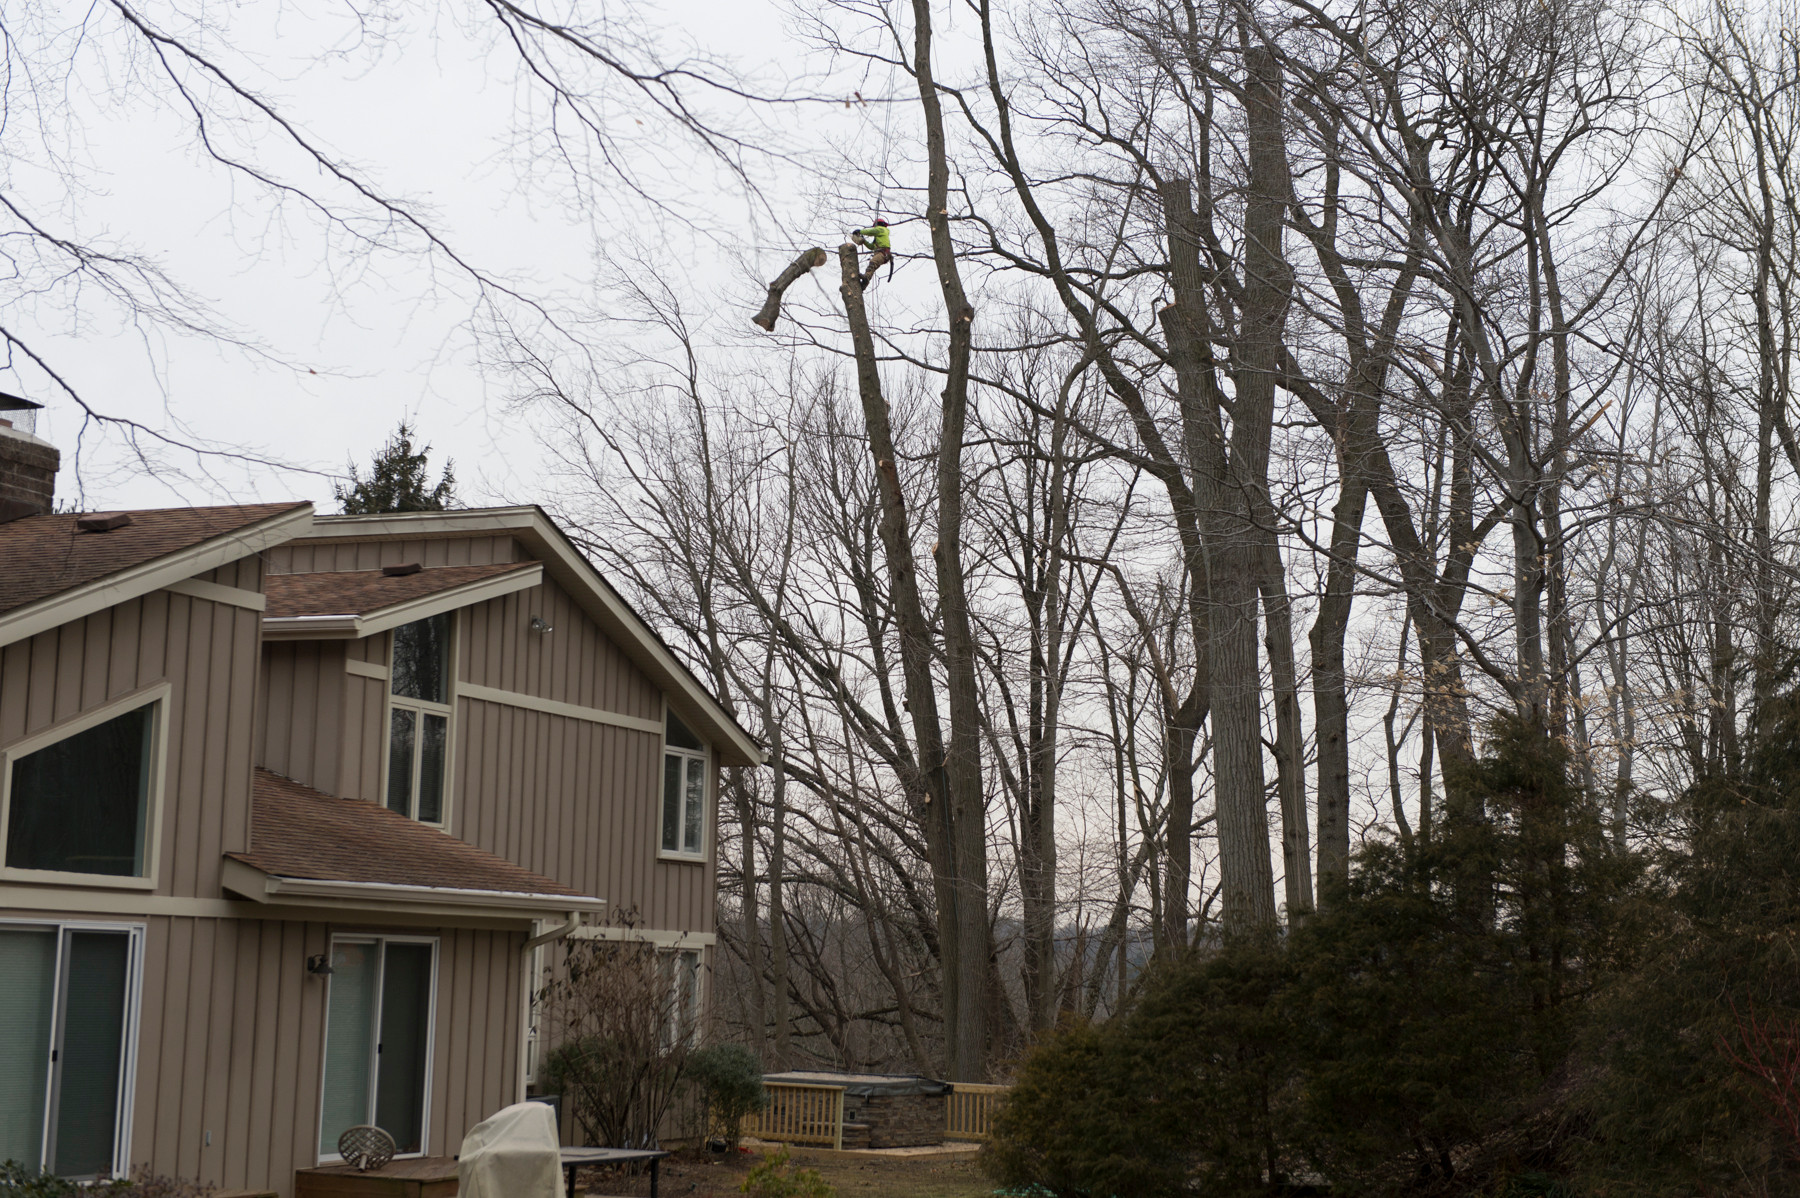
x: 771, y: 309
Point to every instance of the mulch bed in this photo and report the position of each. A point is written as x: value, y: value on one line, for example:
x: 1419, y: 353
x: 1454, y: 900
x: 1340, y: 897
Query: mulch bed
x: 695, y: 1173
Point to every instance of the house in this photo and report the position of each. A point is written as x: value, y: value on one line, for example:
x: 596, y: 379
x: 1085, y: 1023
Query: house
x: 288, y: 804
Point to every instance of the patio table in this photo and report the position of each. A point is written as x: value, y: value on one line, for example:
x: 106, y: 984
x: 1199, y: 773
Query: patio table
x: 574, y: 1158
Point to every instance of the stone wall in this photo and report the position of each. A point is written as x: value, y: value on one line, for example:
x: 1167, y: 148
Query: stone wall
x: 899, y: 1120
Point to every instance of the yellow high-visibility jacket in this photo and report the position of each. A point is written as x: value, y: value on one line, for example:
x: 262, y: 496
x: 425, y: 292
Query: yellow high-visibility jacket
x: 878, y: 236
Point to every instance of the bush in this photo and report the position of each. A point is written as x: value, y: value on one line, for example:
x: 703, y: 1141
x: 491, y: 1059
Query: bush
x: 17, y: 1181
x: 1192, y: 1088
x: 730, y: 1079
x: 1417, y: 1036
x: 1672, y: 1111
x: 771, y: 1178
x: 621, y: 1040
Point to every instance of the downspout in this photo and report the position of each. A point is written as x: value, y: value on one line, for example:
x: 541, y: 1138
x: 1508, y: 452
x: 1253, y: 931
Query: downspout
x: 562, y: 932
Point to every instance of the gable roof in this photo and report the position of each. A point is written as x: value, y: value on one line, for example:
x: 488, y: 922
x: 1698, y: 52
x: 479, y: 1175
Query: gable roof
x: 51, y: 573
x: 305, y: 845
x: 359, y: 603
x: 541, y: 536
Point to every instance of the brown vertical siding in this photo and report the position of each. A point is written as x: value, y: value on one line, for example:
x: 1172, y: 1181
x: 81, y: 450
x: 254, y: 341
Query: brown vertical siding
x: 302, y: 728
x: 303, y: 557
x: 231, y: 1041
x: 576, y: 801
x: 574, y: 664
x: 207, y: 653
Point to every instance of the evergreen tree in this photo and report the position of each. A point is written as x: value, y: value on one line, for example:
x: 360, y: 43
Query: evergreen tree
x: 1415, y: 1037
x: 399, y: 480
x: 1673, y: 1097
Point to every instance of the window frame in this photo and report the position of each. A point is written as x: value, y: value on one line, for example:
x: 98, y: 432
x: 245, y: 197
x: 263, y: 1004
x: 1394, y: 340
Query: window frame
x: 125, y: 1107
x: 704, y: 757
x: 431, y: 1029
x: 685, y: 1029
x: 421, y: 708
x: 155, y: 696
x: 536, y: 969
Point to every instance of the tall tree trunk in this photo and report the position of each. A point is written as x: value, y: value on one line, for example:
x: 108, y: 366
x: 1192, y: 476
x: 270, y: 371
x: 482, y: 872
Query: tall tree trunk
x: 1331, y: 704
x: 967, y: 801
x: 1248, y: 900
x: 1037, y: 866
x: 931, y: 788
x: 757, y: 1015
x: 1290, y: 748
x: 781, y: 1056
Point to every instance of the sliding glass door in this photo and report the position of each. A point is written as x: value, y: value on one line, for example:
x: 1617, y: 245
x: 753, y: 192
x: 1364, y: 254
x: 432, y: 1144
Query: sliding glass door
x: 378, y: 1039
x: 65, y: 1000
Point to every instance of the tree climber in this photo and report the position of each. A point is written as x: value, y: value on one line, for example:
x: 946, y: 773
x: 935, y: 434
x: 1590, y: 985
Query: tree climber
x: 881, y: 241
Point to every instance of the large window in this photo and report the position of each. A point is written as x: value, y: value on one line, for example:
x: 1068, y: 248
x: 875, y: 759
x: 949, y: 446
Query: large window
x: 80, y: 800
x: 684, y: 790
x: 66, y: 1000
x: 419, y: 719
x: 378, y: 1039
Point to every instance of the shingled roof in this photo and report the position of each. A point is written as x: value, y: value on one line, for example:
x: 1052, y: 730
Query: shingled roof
x: 45, y: 556
x: 298, y: 832
x: 361, y: 592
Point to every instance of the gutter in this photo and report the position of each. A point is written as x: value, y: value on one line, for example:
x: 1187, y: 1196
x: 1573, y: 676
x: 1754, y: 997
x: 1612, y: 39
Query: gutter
x: 561, y: 933
x: 251, y: 882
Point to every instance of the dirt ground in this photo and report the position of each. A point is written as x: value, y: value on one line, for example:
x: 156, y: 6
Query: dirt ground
x: 691, y: 1175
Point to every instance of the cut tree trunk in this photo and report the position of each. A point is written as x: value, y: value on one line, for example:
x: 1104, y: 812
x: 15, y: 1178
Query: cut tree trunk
x: 771, y: 310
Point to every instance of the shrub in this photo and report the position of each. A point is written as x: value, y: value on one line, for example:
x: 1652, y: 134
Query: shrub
x: 771, y: 1178
x: 17, y: 1181
x: 1416, y: 1036
x: 1191, y: 1087
x: 622, y: 1044
x: 1673, y: 1106
x: 730, y: 1079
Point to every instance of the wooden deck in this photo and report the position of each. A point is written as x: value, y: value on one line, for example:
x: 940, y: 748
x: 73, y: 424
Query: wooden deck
x: 415, y: 1177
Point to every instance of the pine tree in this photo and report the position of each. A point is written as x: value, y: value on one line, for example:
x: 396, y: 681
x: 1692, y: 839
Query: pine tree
x: 398, y: 481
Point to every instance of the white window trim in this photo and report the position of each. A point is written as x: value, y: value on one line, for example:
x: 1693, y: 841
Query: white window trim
x: 446, y: 709
x: 384, y: 940
x: 156, y: 695
x: 704, y: 756
x: 690, y: 1033
x: 134, y: 993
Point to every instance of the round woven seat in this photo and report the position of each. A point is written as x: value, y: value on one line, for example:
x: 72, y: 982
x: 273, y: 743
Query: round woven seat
x: 366, y: 1146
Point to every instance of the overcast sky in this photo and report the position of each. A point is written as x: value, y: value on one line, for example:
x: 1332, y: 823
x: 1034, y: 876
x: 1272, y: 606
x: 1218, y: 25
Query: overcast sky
x: 435, y: 115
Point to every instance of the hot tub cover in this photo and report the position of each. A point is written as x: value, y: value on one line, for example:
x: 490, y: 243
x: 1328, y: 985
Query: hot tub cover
x: 863, y: 1085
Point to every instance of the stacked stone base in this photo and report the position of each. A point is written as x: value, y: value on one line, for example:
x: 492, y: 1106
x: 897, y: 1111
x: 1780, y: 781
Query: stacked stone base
x: 897, y: 1120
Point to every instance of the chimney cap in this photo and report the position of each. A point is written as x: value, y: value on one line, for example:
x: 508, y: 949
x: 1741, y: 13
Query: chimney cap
x: 13, y: 403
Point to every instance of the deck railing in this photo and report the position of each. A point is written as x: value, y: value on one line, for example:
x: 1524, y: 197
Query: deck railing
x: 969, y: 1110
x: 800, y: 1114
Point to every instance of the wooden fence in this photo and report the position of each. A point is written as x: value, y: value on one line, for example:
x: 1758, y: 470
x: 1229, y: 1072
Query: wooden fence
x: 970, y: 1109
x: 800, y: 1114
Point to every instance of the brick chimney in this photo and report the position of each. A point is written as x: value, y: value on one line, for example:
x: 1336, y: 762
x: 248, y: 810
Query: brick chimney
x: 27, y: 464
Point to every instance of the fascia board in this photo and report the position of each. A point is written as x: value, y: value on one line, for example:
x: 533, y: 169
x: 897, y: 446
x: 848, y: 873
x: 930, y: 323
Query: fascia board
x: 311, y: 628
x: 154, y: 575
x: 420, y: 524
x: 355, y: 627
x: 240, y: 877
x: 596, y: 595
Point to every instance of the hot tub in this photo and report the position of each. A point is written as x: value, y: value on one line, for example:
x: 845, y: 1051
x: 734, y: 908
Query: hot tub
x: 899, y: 1110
